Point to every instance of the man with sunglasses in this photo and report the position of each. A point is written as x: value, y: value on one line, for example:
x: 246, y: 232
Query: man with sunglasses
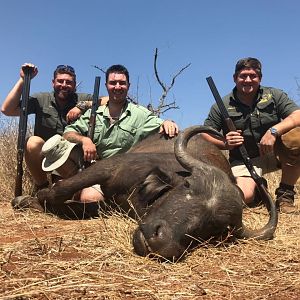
x: 53, y: 111
x: 267, y: 123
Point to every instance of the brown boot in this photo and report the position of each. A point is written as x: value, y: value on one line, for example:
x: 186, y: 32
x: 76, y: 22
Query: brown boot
x: 285, y: 201
x: 27, y: 202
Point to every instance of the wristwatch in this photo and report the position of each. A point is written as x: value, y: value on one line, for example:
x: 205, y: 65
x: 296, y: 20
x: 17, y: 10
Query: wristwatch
x: 274, y: 131
x: 82, y: 105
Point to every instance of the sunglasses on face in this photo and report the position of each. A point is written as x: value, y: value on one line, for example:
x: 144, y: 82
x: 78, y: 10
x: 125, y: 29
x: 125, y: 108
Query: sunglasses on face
x: 65, y: 68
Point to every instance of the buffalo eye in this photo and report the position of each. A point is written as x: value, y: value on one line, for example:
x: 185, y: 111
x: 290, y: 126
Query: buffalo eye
x: 186, y: 183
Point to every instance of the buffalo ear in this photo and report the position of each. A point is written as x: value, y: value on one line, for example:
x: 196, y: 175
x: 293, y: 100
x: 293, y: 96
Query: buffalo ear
x: 154, y: 185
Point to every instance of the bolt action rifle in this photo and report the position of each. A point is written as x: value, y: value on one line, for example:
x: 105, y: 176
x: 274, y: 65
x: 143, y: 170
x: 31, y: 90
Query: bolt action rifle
x: 22, y: 129
x: 95, y: 104
x: 92, y: 120
x: 265, y: 196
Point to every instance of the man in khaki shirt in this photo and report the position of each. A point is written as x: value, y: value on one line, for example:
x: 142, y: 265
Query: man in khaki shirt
x: 119, y: 125
x: 268, y: 125
x: 52, y: 112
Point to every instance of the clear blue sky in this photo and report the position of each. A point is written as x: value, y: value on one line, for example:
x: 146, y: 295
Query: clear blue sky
x: 211, y: 35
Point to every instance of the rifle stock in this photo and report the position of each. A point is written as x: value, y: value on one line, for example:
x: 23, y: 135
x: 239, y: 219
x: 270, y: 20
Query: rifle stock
x: 230, y: 125
x: 22, y: 130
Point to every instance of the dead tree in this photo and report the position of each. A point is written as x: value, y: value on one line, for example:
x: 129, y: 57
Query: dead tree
x: 298, y: 87
x: 163, y: 106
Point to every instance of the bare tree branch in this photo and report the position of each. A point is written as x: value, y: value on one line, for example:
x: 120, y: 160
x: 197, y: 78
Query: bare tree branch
x: 156, y: 73
x: 96, y: 67
x: 137, y: 89
x: 162, y: 106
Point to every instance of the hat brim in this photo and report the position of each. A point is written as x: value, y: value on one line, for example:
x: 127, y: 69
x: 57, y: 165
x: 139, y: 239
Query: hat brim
x: 49, y: 165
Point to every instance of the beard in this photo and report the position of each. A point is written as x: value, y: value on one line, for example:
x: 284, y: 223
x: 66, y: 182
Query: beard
x: 64, y: 95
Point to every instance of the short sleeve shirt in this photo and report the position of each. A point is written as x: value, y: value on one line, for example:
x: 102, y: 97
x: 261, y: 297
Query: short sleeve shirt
x: 135, y: 123
x: 272, y: 105
x: 49, y: 118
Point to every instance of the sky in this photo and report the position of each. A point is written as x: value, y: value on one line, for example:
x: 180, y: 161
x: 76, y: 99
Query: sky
x: 211, y: 35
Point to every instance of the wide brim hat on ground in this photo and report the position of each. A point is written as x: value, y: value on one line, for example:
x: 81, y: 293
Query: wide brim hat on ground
x: 56, y: 151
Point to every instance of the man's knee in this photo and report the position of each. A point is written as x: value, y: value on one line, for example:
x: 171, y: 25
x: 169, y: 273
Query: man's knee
x: 34, y: 143
x: 91, y: 194
x: 247, y: 185
x: 287, y: 148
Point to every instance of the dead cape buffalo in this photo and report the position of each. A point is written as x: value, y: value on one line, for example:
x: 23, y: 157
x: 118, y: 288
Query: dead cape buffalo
x: 178, y: 200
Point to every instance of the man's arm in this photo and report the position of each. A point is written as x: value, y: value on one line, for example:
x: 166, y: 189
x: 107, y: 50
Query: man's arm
x: 290, y: 122
x: 11, y: 104
x: 82, y: 107
x: 268, y: 140
x: 88, y: 147
x: 220, y: 143
x: 214, y: 120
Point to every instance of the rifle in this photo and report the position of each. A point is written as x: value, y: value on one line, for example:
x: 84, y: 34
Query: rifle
x: 92, y: 121
x: 246, y: 159
x: 22, y: 129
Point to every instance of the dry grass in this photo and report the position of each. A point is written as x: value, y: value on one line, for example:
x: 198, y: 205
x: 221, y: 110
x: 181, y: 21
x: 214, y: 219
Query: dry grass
x: 43, y: 257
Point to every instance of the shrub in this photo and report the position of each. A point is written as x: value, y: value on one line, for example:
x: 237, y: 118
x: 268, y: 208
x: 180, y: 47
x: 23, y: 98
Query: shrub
x: 8, y: 159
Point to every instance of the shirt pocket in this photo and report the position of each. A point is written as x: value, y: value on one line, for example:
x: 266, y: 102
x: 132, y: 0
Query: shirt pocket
x: 49, y: 119
x: 127, y: 135
x: 267, y: 114
x: 238, y: 119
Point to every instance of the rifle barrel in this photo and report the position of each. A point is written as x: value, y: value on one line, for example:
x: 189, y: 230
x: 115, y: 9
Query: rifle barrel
x: 91, y: 128
x: 217, y: 97
x: 22, y: 129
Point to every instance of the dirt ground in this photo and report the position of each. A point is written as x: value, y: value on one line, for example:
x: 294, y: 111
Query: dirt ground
x: 43, y: 257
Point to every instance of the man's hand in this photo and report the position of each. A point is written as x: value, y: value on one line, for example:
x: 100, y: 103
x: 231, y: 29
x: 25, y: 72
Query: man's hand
x: 30, y: 65
x: 73, y: 114
x: 169, y: 127
x: 266, y: 144
x: 89, y: 149
x: 234, y: 139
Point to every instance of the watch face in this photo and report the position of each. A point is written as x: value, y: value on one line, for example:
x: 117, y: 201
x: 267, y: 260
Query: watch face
x: 81, y: 105
x: 273, y: 131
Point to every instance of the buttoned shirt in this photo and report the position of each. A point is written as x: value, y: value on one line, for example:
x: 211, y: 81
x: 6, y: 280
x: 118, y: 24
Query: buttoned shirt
x: 271, y: 106
x: 134, y: 124
x: 49, y: 118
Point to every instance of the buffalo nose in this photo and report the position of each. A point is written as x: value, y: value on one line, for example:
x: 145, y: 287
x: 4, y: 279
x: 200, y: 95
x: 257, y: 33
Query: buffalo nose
x: 151, y: 237
x: 157, y: 233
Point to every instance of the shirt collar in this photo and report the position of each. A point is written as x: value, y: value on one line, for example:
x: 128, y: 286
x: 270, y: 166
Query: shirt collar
x: 103, y: 110
x: 70, y: 103
x: 233, y: 95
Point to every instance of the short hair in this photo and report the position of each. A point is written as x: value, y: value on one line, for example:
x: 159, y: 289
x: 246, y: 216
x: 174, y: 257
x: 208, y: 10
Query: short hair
x: 248, y: 62
x: 119, y: 69
x: 65, y: 69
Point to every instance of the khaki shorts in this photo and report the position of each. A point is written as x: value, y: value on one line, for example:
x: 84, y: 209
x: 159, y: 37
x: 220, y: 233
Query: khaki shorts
x: 264, y: 165
x: 286, y: 151
x: 97, y: 187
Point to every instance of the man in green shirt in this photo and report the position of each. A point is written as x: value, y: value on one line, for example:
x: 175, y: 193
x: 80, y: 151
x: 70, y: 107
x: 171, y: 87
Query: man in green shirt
x: 53, y: 111
x: 267, y: 122
x: 119, y: 125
